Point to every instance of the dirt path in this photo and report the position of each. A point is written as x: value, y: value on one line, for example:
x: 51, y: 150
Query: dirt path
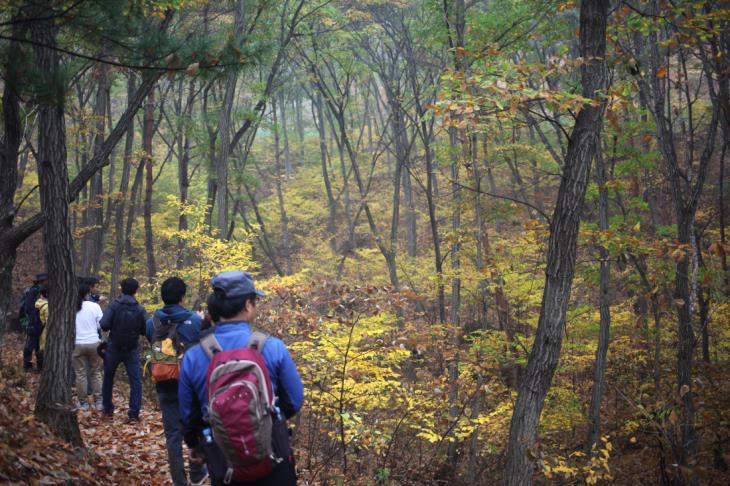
x: 114, y: 453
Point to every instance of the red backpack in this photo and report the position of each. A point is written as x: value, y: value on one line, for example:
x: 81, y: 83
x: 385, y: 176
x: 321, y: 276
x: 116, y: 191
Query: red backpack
x: 240, y: 407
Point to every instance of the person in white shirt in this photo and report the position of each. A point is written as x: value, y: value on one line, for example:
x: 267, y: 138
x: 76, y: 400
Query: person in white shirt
x: 86, y: 361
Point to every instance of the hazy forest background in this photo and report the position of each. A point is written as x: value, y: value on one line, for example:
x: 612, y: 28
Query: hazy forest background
x: 492, y: 231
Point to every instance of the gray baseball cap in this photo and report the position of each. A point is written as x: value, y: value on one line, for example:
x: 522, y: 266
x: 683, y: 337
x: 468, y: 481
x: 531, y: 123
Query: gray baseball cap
x: 235, y: 283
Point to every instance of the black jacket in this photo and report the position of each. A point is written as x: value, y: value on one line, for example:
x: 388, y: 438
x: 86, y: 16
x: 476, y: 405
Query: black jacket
x: 28, y: 309
x: 124, y: 318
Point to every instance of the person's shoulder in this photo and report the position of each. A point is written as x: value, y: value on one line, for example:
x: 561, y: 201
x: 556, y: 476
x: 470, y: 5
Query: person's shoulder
x: 274, y: 345
x: 91, y: 305
x: 192, y: 358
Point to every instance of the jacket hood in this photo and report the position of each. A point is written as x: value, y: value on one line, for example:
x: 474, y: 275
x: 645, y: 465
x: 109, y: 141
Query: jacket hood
x: 173, y: 313
x: 126, y: 300
x: 41, y: 302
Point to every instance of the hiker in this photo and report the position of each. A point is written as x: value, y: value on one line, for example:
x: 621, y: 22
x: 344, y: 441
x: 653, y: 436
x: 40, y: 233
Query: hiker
x: 34, y: 327
x: 42, y: 306
x: 126, y: 321
x: 94, y: 292
x: 172, y: 330
x: 86, y: 362
x: 209, y: 314
x: 258, y: 418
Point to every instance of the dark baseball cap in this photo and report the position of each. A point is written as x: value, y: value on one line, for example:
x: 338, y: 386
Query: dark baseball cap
x: 235, y: 283
x: 41, y: 277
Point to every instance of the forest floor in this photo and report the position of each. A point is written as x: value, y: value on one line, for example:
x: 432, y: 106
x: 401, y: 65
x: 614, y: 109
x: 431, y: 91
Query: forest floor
x: 114, y: 452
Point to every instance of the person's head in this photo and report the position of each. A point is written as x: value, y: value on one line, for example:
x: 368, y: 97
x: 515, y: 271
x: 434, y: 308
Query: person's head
x: 93, y: 284
x: 173, y: 290
x: 211, y: 312
x: 83, y: 294
x: 44, y: 291
x: 41, y: 279
x: 235, y: 296
x: 129, y: 286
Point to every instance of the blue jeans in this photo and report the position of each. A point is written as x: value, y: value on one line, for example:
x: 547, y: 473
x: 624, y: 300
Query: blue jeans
x: 131, y: 363
x: 170, y: 408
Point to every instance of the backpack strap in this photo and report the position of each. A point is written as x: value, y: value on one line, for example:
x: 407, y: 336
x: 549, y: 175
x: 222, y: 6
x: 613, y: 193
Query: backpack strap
x: 210, y: 345
x: 257, y: 341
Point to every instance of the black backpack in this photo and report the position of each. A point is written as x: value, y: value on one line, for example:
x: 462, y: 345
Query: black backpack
x: 127, y: 324
x: 30, y: 320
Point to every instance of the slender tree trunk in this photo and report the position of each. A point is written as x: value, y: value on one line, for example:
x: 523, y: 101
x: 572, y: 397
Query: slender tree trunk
x: 331, y: 204
x: 121, y: 203
x: 96, y: 194
x: 545, y: 351
x: 53, y: 403
x: 148, y: 133
x: 10, y: 180
x: 133, y: 206
x: 285, y: 133
x: 455, y: 228
x: 703, y: 300
x: 599, y: 370
x: 284, y: 220
x: 183, y: 177
x: 433, y: 223
x: 224, y: 127
x: 300, y: 124
x: 343, y: 172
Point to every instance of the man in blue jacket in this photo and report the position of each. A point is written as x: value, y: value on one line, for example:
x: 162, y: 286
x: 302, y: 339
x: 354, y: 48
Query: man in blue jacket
x: 236, y: 298
x: 183, y: 326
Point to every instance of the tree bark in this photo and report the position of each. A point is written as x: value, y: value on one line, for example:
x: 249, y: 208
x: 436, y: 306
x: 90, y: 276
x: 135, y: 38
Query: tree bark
x: 545, y: 351
x: 147, y: 135
x: 278, y: 175
x: 10, y: 180
x: 604, y: 305
x: 331, y: 204
x: 121, y: 203
x: 53, y: 403
x: 285, y: 134
x: 96, y: 187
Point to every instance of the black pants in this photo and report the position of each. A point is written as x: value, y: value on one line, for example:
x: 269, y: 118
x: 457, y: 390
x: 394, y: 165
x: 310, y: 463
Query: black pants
x: 32, y: 343
x: 282, y: 475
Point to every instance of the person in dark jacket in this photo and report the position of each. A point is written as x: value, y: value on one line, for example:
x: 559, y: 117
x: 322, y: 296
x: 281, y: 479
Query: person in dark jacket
x: 126, y: 321
x: 35, y: 326
x: 183, y: 326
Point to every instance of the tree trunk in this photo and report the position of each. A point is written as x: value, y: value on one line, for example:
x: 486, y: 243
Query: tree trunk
x: 10, y: 180
x: 545, y: 351
x: 285, y: 134
x: 121, y: 203
x: 148, y: 132
x: 300, y: 124
x: 96, y: 194
x: 224, y: 125
x: 53, y: 403
x: 283, y: 219
x: 594, y: 411
x: 331, y: 204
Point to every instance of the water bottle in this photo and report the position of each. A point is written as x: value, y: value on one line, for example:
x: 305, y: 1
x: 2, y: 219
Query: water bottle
x: 207, y: 436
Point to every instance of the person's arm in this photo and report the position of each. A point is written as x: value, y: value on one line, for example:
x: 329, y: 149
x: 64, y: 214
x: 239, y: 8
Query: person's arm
x: 143, y: 321
x: 98, y: 314
x: 190, y: 413
x: 44, y: 314
x: 150, y: 329
x: 107, y: 318
x: 290, y: 388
